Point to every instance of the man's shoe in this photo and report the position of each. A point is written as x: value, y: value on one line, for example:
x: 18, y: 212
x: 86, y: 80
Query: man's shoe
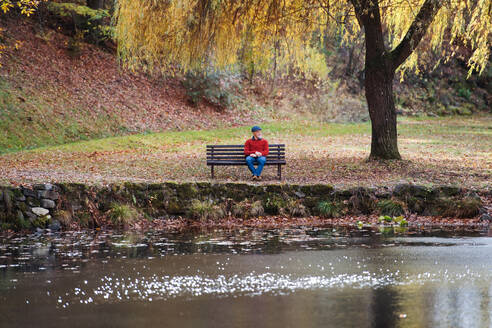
x: 254, y: 177
x: 258, y: 178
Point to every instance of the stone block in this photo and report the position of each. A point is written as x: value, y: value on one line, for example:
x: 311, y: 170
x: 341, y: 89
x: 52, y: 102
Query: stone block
x: 43, y: 186
x: 47, y: 203
x: 29, y: 193
x: 40, y: 211
x: 48, y: 194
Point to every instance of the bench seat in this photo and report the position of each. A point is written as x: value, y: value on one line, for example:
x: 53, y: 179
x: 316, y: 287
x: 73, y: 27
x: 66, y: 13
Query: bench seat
x: 233, y: 155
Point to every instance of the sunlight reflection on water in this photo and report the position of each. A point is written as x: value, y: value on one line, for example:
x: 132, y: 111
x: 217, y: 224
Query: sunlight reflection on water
x: 374, y: 280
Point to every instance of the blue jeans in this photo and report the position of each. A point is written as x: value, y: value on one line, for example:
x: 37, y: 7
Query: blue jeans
x: 256, y: 160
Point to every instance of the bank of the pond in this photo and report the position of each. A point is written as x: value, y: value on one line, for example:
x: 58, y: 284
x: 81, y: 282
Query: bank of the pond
x: 73, y: 205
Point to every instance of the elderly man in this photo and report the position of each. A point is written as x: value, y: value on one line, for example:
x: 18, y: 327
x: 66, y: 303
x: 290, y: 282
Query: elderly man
x: 256, y: 151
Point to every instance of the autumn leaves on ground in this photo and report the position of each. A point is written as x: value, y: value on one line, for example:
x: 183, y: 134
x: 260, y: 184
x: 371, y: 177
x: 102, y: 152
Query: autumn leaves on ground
x: 436, y: 151
x: 49, y: 97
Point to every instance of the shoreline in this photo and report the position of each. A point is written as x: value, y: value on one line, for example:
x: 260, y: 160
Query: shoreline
x: 74, y: 206
x: 417, y: 225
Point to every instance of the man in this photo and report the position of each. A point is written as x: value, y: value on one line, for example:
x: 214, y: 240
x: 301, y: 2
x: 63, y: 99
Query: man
x: 256, y: 151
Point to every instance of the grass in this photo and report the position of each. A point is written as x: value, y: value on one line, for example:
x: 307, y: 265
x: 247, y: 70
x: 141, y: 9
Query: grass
x: 450, y: 150
x: 205, y: 210
x: 122, y: 214
x: 390, y: 207
x: 28, y: 119
x: 330, y: 209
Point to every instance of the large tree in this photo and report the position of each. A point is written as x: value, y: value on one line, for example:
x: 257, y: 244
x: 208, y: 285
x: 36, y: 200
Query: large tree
x: 190, y: 34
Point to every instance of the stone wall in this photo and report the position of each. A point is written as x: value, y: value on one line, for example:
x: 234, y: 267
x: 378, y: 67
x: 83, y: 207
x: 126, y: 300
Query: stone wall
x: 57, y: 205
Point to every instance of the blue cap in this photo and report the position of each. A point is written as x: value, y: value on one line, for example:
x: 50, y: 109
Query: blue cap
x: 255, y: 128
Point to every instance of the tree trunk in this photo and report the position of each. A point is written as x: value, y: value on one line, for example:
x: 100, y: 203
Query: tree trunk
x: 380, y: 69
x: 379, y: 95
x: 379, y: 74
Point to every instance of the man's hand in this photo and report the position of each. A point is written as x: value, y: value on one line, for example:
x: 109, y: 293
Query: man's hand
x: 252, y: 155
x: 258, y: 153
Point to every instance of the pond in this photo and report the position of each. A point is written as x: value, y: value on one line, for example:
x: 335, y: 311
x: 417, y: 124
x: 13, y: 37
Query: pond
x: 246, y: 278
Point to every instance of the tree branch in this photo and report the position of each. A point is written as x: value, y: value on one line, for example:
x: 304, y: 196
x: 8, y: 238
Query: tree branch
x: 416, y: 31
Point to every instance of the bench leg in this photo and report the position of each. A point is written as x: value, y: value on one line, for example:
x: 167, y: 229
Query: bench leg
x: 212, y: 171
x: 279, y: 171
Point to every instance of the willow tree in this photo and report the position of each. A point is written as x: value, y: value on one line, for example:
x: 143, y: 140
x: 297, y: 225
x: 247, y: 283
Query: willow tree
x: 191, y: 34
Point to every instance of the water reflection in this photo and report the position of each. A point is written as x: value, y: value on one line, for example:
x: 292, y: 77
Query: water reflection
x: 286, y: 278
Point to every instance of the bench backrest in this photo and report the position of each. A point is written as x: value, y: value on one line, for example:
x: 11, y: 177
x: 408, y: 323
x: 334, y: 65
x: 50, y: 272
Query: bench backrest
x: 236, y: 152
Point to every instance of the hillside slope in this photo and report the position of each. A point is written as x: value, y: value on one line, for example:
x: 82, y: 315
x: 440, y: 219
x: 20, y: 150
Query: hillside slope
x: 48, y: 96
x: 55, y: 90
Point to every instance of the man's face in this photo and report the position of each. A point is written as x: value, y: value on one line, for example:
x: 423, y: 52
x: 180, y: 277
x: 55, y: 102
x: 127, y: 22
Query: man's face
x: 257, y: 134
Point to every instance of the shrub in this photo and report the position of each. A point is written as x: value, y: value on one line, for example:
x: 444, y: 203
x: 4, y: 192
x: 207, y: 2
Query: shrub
x: 274, y: 205
x: 296, y: 208
x: 246, y: 209
x: 4, y: 226
x: 217, y: 88
x: 122, y: 214
x: 362, y: 201
x: 39, y: 222
x: 329, y: 209
x: 94, y: 24
x: 467, y: 207
x: 65, y: 217
x: 464, y: 92
x: 390, y: 207
x: 205, y: 210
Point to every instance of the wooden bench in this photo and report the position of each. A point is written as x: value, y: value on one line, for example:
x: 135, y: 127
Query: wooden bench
x: 230, y: 155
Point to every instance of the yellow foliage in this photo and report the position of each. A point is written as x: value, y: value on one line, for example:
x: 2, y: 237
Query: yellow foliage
x: 189, y: 34
x: 26, y: 7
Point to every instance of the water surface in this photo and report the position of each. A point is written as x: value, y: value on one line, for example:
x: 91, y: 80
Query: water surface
x: 247, y: 278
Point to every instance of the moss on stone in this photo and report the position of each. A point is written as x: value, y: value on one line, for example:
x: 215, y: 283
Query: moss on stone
x: 135, y: 187
x: 404, y: 191
x: 16, y: 193
x: 33, y: 202
x: 41, y: 221
x: 7, y: 200
x: 72, y: 187
x: 22, y: 206
x: 155, y: 186
x: 321, y: 190
x: 341, y: 194
x: 187, y: 191
x: 448, y: 191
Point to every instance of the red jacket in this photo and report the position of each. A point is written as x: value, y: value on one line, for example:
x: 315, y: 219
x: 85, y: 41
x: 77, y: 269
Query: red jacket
x: 253, y: 145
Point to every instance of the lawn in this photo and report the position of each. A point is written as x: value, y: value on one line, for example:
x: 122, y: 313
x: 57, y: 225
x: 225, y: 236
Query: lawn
x: 449, y: 150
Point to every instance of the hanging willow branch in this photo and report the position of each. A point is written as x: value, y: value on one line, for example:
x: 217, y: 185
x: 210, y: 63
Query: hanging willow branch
x: 190, y: 34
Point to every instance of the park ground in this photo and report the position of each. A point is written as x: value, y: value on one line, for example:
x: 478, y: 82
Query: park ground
x: 79, y: 117
x: 446, y: 150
